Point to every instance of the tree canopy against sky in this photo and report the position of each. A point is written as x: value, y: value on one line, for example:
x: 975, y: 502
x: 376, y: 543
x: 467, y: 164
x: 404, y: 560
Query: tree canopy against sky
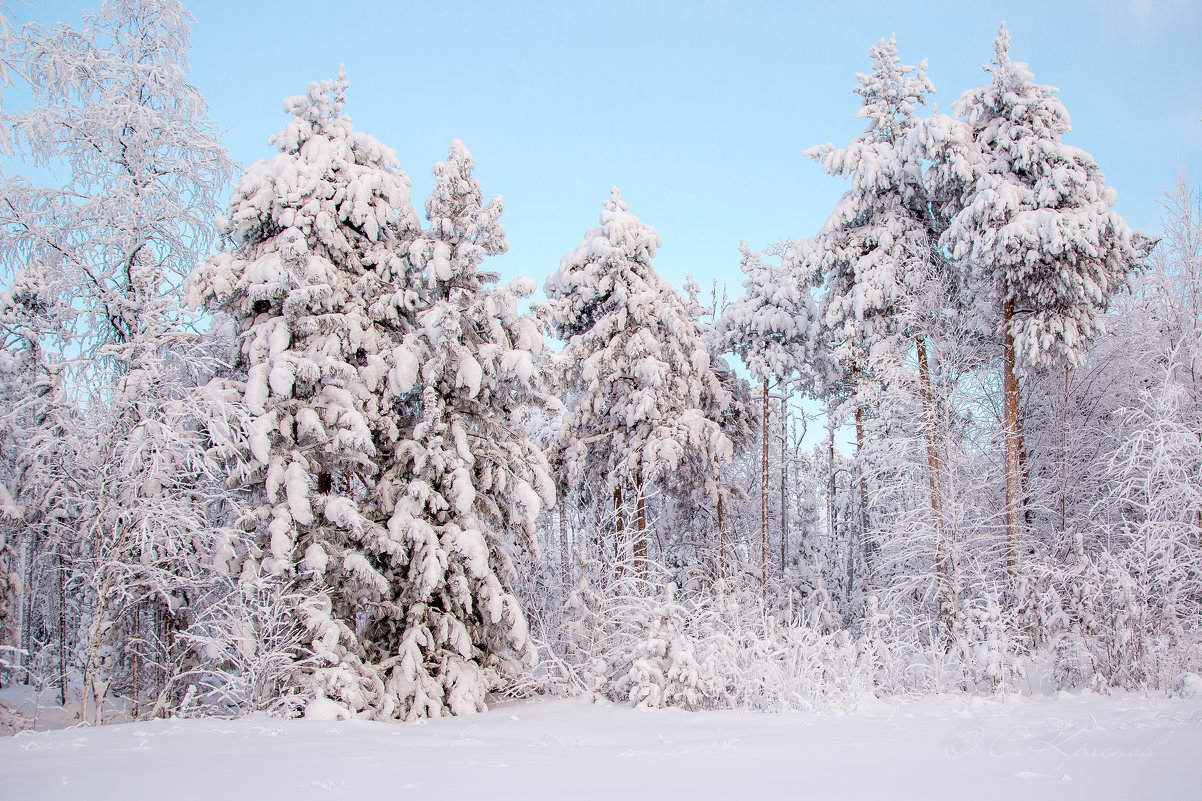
x: 718, y: 104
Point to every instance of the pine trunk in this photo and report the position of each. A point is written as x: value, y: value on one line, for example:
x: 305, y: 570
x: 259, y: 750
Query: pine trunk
x: 721, y: 522
x: 619, y: 528
x: 764, y: 499
x: 784, y: 476
x: 830, y: 478
x: 942, y: 557
x: 868, y: 545
x: 1013, y: 437
x: 564, y: 543
x: 135, y: 658
x: 640, y: 539
x: 1064, y: 456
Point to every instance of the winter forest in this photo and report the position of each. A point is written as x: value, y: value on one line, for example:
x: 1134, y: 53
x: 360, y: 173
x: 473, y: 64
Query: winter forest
x: 279, y: 440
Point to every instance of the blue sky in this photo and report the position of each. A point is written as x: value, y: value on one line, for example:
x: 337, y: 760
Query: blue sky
x: 699, y: 111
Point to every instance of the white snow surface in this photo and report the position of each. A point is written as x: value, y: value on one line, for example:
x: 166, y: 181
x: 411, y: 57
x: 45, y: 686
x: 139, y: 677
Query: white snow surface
x: 1062, y: 747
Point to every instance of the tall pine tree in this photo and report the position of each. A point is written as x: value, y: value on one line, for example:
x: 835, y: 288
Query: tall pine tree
x: 1035, y: 234
x: 876, y: 248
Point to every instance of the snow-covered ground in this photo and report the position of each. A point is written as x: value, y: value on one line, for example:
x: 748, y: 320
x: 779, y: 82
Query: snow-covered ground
x: 1063, y: 747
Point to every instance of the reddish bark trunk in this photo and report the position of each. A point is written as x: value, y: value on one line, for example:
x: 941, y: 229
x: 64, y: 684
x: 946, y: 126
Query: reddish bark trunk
x: 764, y: 498
x: 784, y: 476
x: 721, y: 522
x: 619, y: 526
x: 942, y: 568
x: 564, y: 544
x: 1064, y: 455
x: 868, y: 545
x: 1013, y: 439
x: 640, y: 539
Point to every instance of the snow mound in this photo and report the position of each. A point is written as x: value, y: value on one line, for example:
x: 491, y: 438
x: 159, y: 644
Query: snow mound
x: 1189, y: 685
x: 321, y: 708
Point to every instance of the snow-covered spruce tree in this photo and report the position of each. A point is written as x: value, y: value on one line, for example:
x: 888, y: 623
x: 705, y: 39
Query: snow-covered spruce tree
x: 315, y: 278
x: 643, y: 400
x: 876, y: 247
x: 465, y: 482
x: 663, y: 671
x: 112, y: 114
x: 876, y: 253
x: 379, y: 367
x: 1035, y: 231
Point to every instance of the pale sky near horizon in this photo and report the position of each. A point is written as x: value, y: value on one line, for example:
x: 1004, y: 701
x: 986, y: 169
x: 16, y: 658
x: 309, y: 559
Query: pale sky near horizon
x: 699, y: 112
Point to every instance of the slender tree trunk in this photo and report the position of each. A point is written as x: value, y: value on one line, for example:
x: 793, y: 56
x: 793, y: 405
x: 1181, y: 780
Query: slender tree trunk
x: 721, y: 541
x: 27, y: 552
x: 640, y: 539
x: 163, y: 625
x: 596, y: 544
x: 868, y: 545
x: 934, y: 473
x: 1064, y: 456
x: 136, y: 659
x: 93, y: 684
x: 830, y: 477
x: 564, y: 544
x: 784, y: 476
x: 62, y: 629
x: 1024, y: 473
x: 764, y: 557
x: 721, y: 521
x: 933, y: 467
x: 619, y: 528
x: 1013, y: 438
x: 851, y: 556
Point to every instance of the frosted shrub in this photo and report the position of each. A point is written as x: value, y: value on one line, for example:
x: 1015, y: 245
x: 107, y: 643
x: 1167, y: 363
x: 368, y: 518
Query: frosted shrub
x: 995, y: 662
x: 1109, y: 625
x: 663, y: 670
x: 716, y: 648
x: 246, y: 645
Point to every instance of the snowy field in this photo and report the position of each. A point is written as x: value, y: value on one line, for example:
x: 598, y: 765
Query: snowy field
x: 1062, y: 747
